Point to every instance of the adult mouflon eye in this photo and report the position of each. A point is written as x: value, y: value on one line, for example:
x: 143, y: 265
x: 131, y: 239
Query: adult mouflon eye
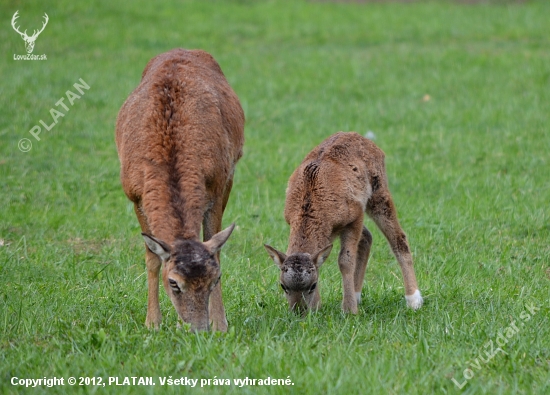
x: 284, y: 288
x: 174, y: 285
x: 312, y: 288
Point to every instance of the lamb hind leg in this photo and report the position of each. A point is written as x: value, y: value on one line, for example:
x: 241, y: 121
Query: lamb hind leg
x: 363, y: 252
x: 347, y: 262
x: 153, y: 263
x: 382, y: 210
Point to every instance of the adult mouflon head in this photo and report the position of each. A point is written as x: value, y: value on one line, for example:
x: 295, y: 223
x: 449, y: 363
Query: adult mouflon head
x: 299, y: 276
x: 189, y: 274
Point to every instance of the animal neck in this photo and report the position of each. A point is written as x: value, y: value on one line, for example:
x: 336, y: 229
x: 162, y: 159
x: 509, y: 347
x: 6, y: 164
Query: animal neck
x: 308, y: 240
x: 173, y: 219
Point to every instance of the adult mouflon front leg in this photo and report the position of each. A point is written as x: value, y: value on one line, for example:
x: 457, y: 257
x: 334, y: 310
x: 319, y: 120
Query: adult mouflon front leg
x: 212, y: 223
x: 153, y: 264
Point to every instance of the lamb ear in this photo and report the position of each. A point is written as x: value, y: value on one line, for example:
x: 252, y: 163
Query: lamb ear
x: 277, y: 256
x: 158, y: 247
x: 321, y: 256
x: 218, y: 240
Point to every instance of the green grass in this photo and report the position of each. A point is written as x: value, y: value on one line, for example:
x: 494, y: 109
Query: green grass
x: 468, y: 170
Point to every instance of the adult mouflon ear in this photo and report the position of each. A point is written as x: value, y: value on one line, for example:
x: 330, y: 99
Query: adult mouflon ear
x: 158, y: 247
x: 218, y: 240
x: 277, y: 256
x: 321, y: 256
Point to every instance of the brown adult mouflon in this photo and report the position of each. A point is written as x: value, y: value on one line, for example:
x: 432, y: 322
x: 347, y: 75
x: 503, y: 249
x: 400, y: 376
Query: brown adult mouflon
x: 179, y: 136
x: 326, y: 198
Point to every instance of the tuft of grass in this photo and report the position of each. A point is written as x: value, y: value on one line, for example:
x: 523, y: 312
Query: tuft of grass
x: 456, y: 95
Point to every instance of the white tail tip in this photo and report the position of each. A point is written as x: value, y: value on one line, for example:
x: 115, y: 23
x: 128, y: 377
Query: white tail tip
x: 415, y: 300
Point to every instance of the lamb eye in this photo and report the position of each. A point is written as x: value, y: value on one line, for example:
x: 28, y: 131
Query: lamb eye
x: 174, y: 285
x: 312, y: 288
x: 217, y: 281
x: 284, y: 288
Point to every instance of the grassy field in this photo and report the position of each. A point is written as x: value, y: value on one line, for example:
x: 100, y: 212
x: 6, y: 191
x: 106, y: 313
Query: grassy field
x: 457, y: 95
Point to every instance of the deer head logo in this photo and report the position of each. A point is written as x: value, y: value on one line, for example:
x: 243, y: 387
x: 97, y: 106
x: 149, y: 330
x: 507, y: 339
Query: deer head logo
x: 29, y: 41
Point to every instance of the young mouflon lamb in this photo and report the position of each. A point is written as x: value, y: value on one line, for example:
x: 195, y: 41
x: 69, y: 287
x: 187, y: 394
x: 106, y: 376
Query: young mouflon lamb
x: 327, y: 196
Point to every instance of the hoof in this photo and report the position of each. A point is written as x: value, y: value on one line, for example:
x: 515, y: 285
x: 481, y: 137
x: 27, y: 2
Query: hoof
x: 415, y: 300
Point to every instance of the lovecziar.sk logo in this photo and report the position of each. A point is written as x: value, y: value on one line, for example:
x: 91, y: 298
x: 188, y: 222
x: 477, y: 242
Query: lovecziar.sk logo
x: 29, y: 40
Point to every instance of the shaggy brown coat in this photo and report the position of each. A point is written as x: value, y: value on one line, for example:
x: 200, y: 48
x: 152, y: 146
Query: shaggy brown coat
x: 327, y: 196
x: 179, y: 136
